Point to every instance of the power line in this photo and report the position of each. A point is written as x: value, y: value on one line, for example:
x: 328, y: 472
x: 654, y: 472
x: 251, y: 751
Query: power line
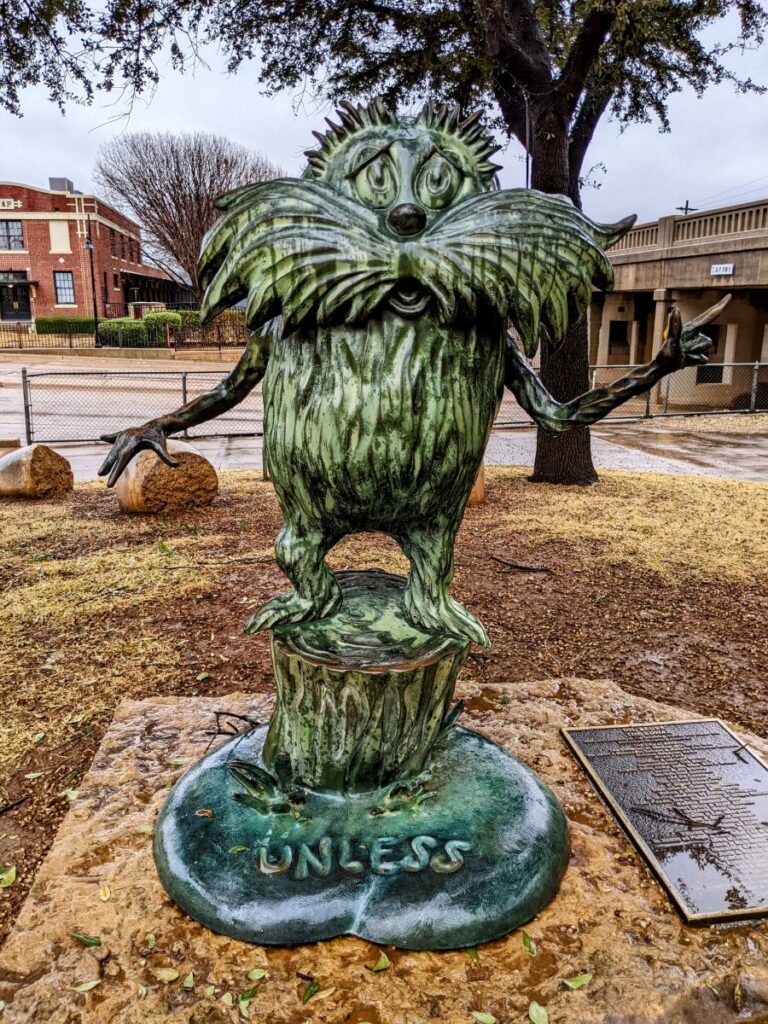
x: 738, y: 196
x: 734, y: 188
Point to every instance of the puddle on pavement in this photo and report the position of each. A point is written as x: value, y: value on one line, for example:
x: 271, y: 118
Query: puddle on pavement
x: 741, y: 457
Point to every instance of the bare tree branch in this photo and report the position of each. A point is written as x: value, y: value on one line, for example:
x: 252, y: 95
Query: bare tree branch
x: 169, y: 183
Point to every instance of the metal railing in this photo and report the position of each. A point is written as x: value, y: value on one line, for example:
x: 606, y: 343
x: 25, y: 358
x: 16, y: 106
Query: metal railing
x: 222, y: 333
x: 80, y: 405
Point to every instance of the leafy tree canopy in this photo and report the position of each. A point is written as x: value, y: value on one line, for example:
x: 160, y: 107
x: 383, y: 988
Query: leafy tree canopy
x: 577, y: 59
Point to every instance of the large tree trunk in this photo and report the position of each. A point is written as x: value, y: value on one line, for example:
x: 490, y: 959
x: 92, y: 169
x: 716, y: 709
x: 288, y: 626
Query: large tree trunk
x: 560, y: 458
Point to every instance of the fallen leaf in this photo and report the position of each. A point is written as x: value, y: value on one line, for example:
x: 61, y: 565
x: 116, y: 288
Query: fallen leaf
x: 105, y: 893
x: 7, y: 876
x: 579, y: 981
x: 70, y: 794
x: 38, y: 737
x: 203, y: 676
x: 309, y: 991
x: 86, y: 940
x: 142, y: 991
x: 529, y: 944
x: 537, y: 1014
x: 188, y: 981
x: 324, y: 993
x: 256, y: 974
x: 166, y: 974
x: 210, y: 991
x: 472, y: 953
x: 738, y: 996
x: 151, y: 941
x: 178, y: 760
x: 237, y: 849
x: 145, y: 830
x: 204, y: 812
x: 86, y: 986
x: 383, y: 963
x: 484, y: 1018
x: 33, y: 775
x: 227, y: 999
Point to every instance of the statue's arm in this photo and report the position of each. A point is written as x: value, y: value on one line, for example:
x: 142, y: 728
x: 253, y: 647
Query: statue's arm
x: 683, y: 346
x: 232, y: 389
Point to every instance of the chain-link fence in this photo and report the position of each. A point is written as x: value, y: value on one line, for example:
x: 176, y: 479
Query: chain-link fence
x: 80, y: 405
x: 711, y: 389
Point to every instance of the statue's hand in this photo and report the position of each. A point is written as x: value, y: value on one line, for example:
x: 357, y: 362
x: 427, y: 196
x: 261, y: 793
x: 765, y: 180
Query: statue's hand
x: 128, y: 443
x: 684, y: 344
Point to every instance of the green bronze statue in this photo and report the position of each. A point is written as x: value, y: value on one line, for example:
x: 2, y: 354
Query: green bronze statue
x: 381, y: 288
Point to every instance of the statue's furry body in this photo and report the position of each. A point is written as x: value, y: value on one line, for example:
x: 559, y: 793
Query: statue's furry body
x: 394, y: 265
x: 380, y: 426
x: 379, y: 287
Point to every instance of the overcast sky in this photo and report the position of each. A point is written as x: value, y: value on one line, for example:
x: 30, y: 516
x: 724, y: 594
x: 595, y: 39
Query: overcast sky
x: 717, y: 152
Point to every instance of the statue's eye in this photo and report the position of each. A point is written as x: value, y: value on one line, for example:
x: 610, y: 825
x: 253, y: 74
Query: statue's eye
x: 437, y: 182
x: 376, y: 183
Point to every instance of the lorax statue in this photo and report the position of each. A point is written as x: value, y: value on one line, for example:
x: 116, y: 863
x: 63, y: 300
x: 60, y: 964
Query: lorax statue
x: 379, y: 288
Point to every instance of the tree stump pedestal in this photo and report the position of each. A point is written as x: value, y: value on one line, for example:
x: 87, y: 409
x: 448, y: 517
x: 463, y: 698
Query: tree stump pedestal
x: 362, y: 808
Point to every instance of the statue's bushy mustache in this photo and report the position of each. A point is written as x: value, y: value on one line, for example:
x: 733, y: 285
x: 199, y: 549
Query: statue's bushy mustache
x: 304, y: 250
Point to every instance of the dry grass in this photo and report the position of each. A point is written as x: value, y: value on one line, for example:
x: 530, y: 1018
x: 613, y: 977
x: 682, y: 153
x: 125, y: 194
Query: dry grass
x: 676, y: 526
x: 74, y: 571
x: 754, y: 423
x: 96, y: 606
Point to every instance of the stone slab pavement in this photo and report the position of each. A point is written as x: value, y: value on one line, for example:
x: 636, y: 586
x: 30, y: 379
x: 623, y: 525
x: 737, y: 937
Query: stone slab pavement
x: 610, y: 919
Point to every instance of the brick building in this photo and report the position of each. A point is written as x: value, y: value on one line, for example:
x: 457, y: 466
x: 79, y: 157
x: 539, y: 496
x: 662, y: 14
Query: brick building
x: 45, y: 262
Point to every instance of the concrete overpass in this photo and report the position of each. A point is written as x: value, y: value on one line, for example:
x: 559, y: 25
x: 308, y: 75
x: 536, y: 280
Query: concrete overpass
x: 690, y: 261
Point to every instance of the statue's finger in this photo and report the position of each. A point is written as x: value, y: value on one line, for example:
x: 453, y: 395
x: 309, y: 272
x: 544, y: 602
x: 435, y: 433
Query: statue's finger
x: 109, y: 462
x: 164, y: 454
x: 709, y: 314
x: 674, y: 327
x: 126, y: 454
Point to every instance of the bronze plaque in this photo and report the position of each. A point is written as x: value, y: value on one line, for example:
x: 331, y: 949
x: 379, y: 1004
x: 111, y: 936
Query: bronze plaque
x: 694, y: 800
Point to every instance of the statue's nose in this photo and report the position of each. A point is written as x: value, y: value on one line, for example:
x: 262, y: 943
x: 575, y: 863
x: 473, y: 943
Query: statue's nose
x: 407, y: 219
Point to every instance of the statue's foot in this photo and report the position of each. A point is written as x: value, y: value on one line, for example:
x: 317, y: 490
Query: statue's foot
x: 444, y: 615
x: 292, y: 607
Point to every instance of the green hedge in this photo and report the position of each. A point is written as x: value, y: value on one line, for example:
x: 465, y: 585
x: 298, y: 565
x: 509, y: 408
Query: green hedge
x: 163, y: 318
x: 126, y: 332
x: 64, y: 324
x: 190, y: 317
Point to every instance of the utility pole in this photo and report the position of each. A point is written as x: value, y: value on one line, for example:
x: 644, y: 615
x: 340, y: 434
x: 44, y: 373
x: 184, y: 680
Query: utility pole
x: 89, y: 247
x: 685, y: 210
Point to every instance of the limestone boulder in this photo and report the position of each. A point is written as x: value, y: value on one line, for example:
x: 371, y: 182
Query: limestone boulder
x: 35, y: 471
x: 149, y: 485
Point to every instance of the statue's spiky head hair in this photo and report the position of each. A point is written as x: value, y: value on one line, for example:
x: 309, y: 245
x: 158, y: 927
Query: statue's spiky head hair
x: 441, y: 118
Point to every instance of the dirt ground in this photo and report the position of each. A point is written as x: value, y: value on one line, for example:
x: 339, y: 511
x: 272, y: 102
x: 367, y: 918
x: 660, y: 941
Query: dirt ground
x: 657, y: 582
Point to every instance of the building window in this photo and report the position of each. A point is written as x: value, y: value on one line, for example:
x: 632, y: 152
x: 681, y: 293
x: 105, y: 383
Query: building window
x: 122, y: 247
x: 64, y: 284
x: 11, y: 234
x: 618, y: 336
x: 116, y: 281
x: 112, y: 242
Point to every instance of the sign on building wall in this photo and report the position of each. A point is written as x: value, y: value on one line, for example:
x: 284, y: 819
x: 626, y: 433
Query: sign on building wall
x: 721, y: 270
x: 6, y: 203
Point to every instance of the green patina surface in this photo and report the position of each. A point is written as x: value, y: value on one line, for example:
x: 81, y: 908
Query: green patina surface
x: 463, y: 856
x: 380, y: 287
x: 362, y: 696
